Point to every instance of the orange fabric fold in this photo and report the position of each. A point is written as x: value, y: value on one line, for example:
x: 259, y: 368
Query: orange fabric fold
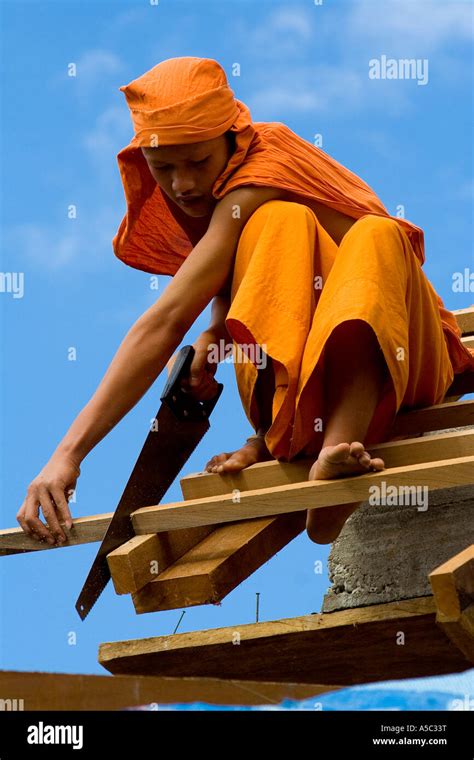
x: 374, y: 276
x: 188, y: 99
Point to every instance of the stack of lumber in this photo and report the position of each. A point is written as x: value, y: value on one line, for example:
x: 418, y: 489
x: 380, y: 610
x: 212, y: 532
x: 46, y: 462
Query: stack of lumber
x: 197, y: 550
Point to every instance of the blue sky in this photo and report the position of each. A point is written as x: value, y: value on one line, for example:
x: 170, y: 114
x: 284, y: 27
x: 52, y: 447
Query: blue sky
x: 301, y: 64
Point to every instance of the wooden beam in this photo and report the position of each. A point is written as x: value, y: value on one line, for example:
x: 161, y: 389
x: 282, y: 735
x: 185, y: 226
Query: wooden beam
x: 463, y: 383
x: 140, y: 559
x: 465, y: 319
x: 347, y: 647
x: 314, y: 494
x: 64, y: 691
x: 453, y: 583
x: 202, y: 577
x: 219, y: 563
x: 453, y: 589
x: 437, y: 417
x: 272, y: 473
x: 93, y: 528
x: 84, y: 531
x: 134, y: 563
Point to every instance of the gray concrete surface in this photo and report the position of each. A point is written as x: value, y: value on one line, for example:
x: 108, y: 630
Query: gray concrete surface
x: 385, y: 553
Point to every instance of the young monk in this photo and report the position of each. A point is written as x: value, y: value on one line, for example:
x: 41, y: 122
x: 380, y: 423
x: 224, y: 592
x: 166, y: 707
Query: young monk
x: 300, y: 258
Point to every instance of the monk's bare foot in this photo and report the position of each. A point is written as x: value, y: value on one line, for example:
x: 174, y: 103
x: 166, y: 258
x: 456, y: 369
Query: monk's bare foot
x: 343, y: 460
x: 251, y: 452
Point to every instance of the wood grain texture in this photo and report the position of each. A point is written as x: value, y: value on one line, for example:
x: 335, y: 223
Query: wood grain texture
x: 139, y: 560
x: 209, y: 571
x: 437, y: 417
x: 453, y: 583
x: 64, y: 691
x: 465, y: 319
x: 348, y: 647
x: 453, y: 590
x: 219, y: 563
x: 274, y: 473
x: 315, y: 494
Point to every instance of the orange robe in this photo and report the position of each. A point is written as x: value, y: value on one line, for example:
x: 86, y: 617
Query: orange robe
x: 373, y: 275
x: 188, y: 99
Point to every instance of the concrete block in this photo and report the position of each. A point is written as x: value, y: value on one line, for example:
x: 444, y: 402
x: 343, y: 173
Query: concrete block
x: 385, y: 553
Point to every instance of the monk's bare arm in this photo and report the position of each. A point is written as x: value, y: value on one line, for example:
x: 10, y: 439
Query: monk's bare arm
x: 207, y: 271
x: 156, y: 334
x: 140, y: 358
x: 150, y: 342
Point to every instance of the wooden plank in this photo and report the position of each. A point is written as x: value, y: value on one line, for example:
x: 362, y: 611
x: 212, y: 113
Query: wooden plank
x: 194, y: 579
x: 219, y: 563
x: 89, y: 529
x: 84, y: 530
x: 64, y: 691
x: 134, y: 563
x: 207, y: 573
x: 273, y: 473
x: 453, y: 583
x: 453, y: 589
x: 437, y: 417
x: 465, y: 319
x: 315, y: 494
x: 347, y: 647
x: 463, y: 383
x: 461, y: 631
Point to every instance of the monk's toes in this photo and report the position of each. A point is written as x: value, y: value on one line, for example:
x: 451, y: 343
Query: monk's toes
x: 377, y: 464
x: 234, y: 463
x: 217, y: 460
x: 363, y: 457
x: 335, y: 454
x: 357, y: 450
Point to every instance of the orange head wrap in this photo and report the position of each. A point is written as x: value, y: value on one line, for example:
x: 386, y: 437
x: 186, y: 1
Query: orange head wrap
x: 181, y: 100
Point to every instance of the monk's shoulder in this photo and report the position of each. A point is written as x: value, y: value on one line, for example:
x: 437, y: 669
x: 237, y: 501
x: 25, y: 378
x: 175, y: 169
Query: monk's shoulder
x: 251, y: 194
x: 236, y: 206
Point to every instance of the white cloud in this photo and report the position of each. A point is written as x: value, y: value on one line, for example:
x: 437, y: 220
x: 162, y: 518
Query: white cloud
x: 37, y: 244
x: 74, y: 244
x: 96, y: 65
x: 80, y: 243
x: 93, y: 69
x: 112, y: 131
x: 359, y: 31
x: 282, y: 85
x: 305, y: 89
x: 406, y: 24
x: 282, y: 33
x: 295, y: 22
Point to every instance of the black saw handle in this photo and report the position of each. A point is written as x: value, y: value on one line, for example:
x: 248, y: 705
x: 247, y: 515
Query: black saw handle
x: 182, y: 404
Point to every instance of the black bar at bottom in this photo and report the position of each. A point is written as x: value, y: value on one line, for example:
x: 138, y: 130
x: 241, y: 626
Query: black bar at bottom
x: 417, y: 734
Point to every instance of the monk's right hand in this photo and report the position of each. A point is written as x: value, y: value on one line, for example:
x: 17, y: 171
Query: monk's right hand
x: 49, y: 491
x: 200, y: 382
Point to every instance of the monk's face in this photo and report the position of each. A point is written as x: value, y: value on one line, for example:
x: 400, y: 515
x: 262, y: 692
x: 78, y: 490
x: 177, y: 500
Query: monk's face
x: 186, y: 173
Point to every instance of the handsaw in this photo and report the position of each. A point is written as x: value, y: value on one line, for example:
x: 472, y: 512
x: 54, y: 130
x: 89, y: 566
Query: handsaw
x: 179, y: 425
